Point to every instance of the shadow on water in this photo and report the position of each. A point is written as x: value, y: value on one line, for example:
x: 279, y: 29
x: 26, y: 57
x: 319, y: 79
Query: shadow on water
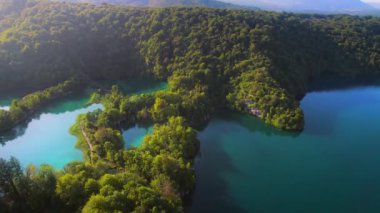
x: 8, y: 96
x: 329, y: 104
x: 211, y: 193
x: 333, y: 174
x: 333, y: 83
x: 14, y: 133
x: 329, y: 95
x: 20, y: 129
x: 68, y: 104
x: 135, y: 86
x: 213, y: 162
x: 80, y: 100
x: 254, y: 124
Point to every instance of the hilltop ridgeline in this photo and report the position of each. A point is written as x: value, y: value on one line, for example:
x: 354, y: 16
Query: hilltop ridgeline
x: 250, y: 61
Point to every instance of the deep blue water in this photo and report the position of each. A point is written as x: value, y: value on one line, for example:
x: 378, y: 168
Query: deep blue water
x: 332, y: 166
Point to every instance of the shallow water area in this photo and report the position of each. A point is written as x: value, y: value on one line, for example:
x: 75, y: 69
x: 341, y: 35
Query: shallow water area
x: 46, y: 138
x: 134, y: 136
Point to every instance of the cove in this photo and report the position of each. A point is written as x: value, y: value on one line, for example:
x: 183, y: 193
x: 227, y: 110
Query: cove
x: 134, y: 137
x: 332, y: 166
x: 46, y: 138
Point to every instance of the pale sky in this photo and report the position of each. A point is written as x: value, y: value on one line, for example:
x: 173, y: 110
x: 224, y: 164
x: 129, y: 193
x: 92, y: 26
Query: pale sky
x: 373, y: 2
x: 247, y: 1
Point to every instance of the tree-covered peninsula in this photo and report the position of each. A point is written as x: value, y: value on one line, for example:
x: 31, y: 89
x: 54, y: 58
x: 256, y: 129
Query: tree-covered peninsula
x: 21, y: 110
x: 254, y: 62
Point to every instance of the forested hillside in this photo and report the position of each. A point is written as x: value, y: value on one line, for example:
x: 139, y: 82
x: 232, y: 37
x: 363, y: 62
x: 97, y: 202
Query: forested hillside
x: 254, y: 62
x: 165, y: 3
x: 197, y: 48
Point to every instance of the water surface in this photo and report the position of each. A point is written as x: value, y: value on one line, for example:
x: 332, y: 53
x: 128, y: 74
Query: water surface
x: 7, y: 98
x: 134, y: 136
x: 46, y: 139
x: 332, y: 166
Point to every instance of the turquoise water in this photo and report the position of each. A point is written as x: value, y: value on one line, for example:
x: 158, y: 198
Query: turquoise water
x: 332, y: 166
x: 134, y: 136
x: 46, y: 137
x: 6, y: 99
x: 6, y: 102
x: 137, y: 86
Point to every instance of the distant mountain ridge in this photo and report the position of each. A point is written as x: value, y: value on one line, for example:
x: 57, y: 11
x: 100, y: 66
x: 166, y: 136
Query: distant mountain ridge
x: 165, y: 3
x: 319, y: 6
x: 331, y: 6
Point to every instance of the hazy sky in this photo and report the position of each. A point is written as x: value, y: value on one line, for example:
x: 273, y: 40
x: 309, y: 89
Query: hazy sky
x: 375, y: 3
x: 372, y: 1
x: 249, y: 1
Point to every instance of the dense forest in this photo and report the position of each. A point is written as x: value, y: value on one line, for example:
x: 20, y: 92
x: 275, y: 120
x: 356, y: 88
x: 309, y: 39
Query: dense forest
x: 164, y: 3
x: 205, y: 51
x: 251, y: 61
